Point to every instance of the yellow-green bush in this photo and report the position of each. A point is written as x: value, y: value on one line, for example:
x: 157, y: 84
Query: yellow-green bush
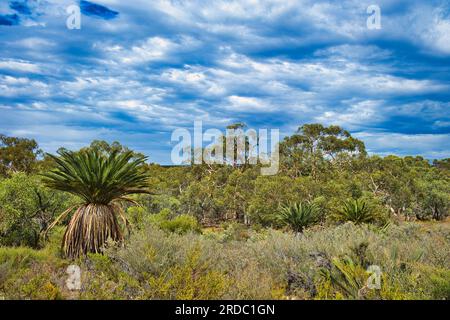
x: 191, y: 280
x: 321, y: 263
x: 180, y: 224
x: 26, y: 273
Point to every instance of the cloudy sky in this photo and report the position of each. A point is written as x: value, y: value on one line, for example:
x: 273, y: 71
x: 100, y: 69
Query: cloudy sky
x: 138, y: 69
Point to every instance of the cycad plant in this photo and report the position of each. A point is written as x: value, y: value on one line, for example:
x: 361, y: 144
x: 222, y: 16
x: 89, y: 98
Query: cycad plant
x: 299, y: 216
x: 346, y: 278
x: 102, y: 181
x: 356, y: 211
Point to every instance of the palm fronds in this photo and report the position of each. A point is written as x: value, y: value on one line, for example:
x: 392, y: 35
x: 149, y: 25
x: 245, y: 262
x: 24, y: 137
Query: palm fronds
x: 101, y: 181
x: 299, y: 216
x: 356, y: 211
x: 95, y: 177
x: 346, y: 277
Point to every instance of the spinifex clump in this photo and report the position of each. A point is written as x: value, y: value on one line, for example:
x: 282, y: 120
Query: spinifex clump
x: 102, y: 181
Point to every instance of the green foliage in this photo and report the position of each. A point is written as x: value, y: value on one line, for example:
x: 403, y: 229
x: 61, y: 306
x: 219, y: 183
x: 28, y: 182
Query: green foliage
x: 439, y: 283
x: 154, y: 203
x: 299, y: 216
x: 237, y: 255
x: 18, y: 155
x: 182, y: 223
x: 317, y: 162
x: 306, y: 151
x: 26, y: 209
x: 105, y: 148
x: 345, y: 280
x: 137, y: 216
x: 102, y: 180
x: 192, y: 280
x: 29, y: 274
x: 443, y: 164
x: 234, y: 231
x: 434, y: 199
x: 103, y: 279
x: 356, y: 211
x: 96, y: 177
x: 328, y: 263
x: 270, y: 193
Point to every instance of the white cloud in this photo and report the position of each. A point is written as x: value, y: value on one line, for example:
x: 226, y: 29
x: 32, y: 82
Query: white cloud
x: 150, y: 50
x: 431, y: 25
x: 351, y: 52
x: 162, y: 64
x: 153, y: 49
x: 440, y: 35
x: 35, y: 43
x: 19, y: 86
x: 427, y: 145
x: 247, y: 104
x: 19, y: 65
x: 195, y: 78
x: 358, y: 115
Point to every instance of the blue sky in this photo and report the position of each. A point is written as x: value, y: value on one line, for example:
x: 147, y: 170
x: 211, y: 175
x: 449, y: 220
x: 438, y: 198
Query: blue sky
x: 137, y: 70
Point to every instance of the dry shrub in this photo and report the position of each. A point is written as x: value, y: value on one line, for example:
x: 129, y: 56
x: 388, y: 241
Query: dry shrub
x: 321, y: 263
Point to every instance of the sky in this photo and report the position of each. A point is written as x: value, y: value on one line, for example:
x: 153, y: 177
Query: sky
x: 137, y: 70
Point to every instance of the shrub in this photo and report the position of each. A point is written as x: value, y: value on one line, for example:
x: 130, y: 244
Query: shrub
x: 103, y: 278
x: 26, y: 209
x: 194, y: 279
x: 356, y: 211
x: 137, y: 216
x: 345, y: 279
x: 439, y: 283
x: 182, y: 223
x: 26, y: 273
x: 433, y: 199
x: 299, y: 216
x: 320, y: 263
x: 156, y: 203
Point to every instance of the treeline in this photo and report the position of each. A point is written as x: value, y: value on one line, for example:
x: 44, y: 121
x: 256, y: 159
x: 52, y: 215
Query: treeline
x: 325, y: 177
x: 319, y: 165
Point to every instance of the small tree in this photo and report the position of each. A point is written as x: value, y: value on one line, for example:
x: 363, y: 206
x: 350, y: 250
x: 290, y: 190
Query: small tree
x: 102, y: 181
x: 17, y: 155
x: 26, y: 209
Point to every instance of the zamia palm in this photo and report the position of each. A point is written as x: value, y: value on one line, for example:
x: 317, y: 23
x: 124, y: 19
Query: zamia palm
x: 299, y: 216
x: 102, y: 181
x: 357, y: 211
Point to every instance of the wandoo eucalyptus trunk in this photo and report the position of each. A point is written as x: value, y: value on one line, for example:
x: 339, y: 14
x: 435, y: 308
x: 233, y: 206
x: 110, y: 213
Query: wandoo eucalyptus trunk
x: 91, y: 226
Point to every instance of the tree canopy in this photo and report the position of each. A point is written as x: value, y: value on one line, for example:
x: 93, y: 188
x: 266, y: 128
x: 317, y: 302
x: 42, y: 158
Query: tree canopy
x: 18, y: 155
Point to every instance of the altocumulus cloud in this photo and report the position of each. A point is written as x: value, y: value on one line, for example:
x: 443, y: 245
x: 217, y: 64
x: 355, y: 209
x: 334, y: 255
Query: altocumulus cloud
x: 136, y: 70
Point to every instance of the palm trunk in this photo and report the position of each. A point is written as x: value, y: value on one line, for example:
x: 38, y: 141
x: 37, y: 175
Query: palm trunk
x: 91, y: 226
